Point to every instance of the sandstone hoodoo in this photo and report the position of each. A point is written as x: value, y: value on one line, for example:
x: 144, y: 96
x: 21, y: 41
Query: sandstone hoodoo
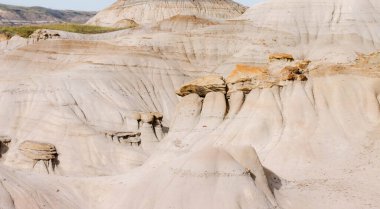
x: 152, y: 11
x: 291, y: 73
x: 204, y: 85
x: 38, y: 151
x: 130, y: 138
x: 245, y: 78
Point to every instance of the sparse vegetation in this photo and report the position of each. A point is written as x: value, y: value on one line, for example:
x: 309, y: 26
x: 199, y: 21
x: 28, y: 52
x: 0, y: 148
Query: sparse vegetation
x: 26, y: 30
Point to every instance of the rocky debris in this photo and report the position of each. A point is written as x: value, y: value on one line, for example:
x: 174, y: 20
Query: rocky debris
x: 131, y: 138
x: 4, y: 142
x: 203, y: 85
x: 38, y: 151
x: 43, y: 34
x: 292, y: 73
x: 281, y: 56
x: 246, y: 78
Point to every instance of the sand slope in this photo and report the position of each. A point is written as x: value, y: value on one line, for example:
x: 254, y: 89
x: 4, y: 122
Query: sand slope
x: 94, y: 104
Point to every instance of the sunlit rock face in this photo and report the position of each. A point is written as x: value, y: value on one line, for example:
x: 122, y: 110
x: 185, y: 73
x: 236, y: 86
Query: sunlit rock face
x: 152, y: 11
x: 194, y: 112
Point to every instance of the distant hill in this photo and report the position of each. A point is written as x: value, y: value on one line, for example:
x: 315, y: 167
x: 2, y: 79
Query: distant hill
x: 17, y: 15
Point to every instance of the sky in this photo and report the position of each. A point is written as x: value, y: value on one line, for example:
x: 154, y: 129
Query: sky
x: 85, y: 5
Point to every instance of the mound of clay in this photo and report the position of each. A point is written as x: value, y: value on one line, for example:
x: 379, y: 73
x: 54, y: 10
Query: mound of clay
x: 151, y: 11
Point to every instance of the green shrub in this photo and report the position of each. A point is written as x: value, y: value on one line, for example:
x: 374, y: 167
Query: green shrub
x: 27, y: 30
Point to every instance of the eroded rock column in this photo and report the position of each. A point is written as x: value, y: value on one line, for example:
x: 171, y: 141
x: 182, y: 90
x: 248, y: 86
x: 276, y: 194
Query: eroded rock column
x: 38, y: 153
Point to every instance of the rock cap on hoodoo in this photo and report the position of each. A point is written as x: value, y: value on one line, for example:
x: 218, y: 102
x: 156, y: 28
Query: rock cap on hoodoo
x: 204, y: 85
x: 281, y: 56
x: 245, y: 73
x: 38, y: 150
x: 245, y: 78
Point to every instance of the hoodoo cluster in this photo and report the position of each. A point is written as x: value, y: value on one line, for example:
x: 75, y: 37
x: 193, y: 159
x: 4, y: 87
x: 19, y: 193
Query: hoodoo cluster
x: 282, y: 68
x: 143, y: 129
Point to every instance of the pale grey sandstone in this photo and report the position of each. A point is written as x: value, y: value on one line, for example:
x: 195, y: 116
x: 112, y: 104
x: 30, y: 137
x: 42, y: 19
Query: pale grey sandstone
x: 316, y: 140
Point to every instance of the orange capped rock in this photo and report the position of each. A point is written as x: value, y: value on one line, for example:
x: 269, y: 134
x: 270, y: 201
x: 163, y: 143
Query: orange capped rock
x: 245, y: 78
x: 292, y: 73
x: 203, y: 86
x: 281, y: 56
x: 244, y: 73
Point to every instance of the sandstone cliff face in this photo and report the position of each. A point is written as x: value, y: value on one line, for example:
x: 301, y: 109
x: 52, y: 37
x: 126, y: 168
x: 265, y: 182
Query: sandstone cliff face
x: 151, y: 11
x: 293, y: 132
